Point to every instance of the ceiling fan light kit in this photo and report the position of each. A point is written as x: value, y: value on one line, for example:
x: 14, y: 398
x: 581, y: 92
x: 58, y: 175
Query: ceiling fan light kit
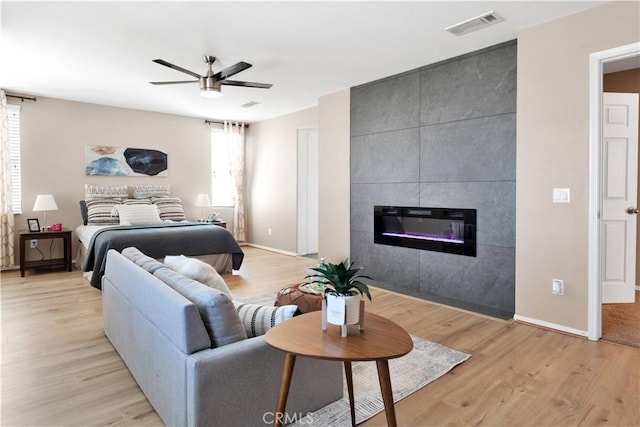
x: 210, y: 83
x: 210, y: 88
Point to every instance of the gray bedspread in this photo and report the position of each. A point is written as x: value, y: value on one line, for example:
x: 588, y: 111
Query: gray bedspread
x: 157, y: 241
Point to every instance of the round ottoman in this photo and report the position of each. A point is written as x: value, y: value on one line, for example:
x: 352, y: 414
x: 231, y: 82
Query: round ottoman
x: 301, y: 295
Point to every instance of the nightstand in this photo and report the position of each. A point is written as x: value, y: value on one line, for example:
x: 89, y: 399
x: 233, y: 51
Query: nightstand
x: 27, y: 236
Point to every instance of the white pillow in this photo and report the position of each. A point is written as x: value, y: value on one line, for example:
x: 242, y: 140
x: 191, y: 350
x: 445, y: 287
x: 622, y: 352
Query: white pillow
x: 138, y: 214
x: 258, y: 319
x: 199, y: 271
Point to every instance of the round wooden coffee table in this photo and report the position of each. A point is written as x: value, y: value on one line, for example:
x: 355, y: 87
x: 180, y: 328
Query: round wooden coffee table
x: 380, y: 341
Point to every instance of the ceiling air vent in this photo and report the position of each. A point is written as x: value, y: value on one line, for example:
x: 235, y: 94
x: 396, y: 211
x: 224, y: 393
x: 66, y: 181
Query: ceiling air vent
x: 250, y: 104
x: 474, y: 24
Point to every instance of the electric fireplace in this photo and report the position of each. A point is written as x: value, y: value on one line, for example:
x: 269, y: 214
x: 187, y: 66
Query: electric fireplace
x: 435, y: 229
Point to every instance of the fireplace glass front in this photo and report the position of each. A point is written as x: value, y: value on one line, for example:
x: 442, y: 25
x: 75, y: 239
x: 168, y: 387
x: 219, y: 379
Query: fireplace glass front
x: 435, y: 229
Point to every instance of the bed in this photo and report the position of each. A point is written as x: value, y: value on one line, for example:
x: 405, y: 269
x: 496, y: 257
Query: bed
x: 149, y: 218
x: 212, y: 243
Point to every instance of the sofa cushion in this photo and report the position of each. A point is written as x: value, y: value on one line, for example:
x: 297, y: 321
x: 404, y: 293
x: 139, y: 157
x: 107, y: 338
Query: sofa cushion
x: 198, y: 270
x: 141, y: 260
x: 258, y: 319
x: 218, y: 312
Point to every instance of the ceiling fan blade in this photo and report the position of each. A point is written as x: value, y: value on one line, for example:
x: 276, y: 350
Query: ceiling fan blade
x: 174, y: 82
x: 246, y: 84
x: 230, y: 71
x: 175, y: 67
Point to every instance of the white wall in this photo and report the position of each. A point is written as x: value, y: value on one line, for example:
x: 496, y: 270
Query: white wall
x: 53, y: 138
x: 553, y: 151
x: 272, y: 180
x: 334, y: 242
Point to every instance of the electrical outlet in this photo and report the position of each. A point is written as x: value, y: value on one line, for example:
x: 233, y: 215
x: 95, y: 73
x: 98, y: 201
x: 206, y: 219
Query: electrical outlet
x: 557, y: 287
x: 34, y: 244
x: 269, y: 231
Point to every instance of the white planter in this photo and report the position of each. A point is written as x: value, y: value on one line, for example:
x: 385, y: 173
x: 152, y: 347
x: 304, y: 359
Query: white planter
x: 343, y: 310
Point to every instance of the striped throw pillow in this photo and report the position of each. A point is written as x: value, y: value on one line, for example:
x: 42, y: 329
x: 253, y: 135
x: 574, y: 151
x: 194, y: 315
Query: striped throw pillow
x: 258, y: 319
x: 105, y: 191
x: 147, y: 191
x: 170, y: 208
x: 138, y: 214
x: 99, y: 211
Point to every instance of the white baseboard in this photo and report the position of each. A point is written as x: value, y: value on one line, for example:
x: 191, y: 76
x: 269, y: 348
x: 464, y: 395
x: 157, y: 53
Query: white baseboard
x: 266, y: 248
x: 550, y: 325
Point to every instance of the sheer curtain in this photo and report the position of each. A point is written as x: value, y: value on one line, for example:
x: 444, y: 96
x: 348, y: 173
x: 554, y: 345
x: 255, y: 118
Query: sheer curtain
x: 234, y: 134
x: 7, y: 252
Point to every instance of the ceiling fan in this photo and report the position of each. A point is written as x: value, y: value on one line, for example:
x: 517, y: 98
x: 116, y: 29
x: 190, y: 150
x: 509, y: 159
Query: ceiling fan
x: 210, y: 83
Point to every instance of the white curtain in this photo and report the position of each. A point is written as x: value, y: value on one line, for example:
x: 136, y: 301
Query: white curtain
x: 7, y: 252
x: 234, y: 133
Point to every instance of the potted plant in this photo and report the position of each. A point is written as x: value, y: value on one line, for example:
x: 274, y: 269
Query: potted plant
x: 343, y: 290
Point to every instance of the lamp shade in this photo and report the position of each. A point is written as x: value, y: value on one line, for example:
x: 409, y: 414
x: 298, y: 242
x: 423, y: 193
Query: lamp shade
x: 202, y: 201
x: 45, y: 202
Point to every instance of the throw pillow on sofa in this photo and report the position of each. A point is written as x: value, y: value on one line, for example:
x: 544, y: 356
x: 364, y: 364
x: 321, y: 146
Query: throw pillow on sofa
x: 258, y: 319
x: 198, y: 270
x: 218, y: 313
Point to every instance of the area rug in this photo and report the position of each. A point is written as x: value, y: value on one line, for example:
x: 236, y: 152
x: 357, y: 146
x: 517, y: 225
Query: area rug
x: 426, y: 363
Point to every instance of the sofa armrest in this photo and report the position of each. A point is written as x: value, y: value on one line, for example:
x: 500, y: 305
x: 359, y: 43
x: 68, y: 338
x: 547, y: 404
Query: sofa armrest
x: 238, y: 384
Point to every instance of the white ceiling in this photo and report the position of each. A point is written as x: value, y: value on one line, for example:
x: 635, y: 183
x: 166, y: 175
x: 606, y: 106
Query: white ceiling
x: 101, y: 52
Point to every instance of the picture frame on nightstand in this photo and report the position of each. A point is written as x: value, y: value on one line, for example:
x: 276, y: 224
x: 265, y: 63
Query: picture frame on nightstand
x: 34, y: 225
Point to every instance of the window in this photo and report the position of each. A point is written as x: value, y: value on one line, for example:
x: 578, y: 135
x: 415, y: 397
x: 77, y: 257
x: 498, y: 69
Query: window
x: 13, y: 113
x: 222, y: 186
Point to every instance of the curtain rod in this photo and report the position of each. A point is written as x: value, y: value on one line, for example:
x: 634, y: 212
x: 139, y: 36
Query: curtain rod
x: 20, y: 97
x: 216, y: 122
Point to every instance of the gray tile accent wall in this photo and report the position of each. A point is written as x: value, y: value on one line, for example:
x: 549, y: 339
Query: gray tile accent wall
x: 440, y: 136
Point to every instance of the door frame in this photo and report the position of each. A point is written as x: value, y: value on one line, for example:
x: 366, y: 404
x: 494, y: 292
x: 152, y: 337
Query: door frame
x: 596, y: 63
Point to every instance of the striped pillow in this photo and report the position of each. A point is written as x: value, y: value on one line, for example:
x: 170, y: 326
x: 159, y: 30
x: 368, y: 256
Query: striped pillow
x: 258, y: 319
x: 136, y: 202
x: 170, y: 208
x: 147, y: 191
x: 99, y: 211
x: 138, y: 214
x: 105, y: 191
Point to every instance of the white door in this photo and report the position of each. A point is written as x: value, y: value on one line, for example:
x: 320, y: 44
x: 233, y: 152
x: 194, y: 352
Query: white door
x: 307, y: 191
x: 619, y: 196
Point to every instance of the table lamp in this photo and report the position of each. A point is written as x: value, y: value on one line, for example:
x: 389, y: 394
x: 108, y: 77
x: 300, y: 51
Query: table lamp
x: 45, y: 202
x: 202, y: 201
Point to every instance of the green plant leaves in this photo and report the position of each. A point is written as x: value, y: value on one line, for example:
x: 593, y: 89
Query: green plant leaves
x: 340, y: 278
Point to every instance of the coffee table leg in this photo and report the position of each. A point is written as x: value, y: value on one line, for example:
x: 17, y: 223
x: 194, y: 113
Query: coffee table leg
x: 352, y: 406
x: 283, y: 394
x: 387, y: 393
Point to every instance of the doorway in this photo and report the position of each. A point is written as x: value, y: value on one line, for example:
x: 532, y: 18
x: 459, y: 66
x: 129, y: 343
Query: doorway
x: 307, y: 192
x: 622, y: 56
x: 621, y: 319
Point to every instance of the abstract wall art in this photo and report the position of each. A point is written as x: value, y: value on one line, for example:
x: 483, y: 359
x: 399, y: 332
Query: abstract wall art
x: 124, y: 161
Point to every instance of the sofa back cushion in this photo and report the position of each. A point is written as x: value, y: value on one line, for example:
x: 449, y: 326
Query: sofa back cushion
x: 141, y: 260
x: 177, y: 318
x: 217, y: 311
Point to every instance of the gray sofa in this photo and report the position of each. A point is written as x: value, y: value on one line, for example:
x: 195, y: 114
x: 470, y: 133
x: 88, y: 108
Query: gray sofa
x: 163, y: 340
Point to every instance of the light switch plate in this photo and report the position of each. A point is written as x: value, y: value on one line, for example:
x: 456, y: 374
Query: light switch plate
x: 561, y: 195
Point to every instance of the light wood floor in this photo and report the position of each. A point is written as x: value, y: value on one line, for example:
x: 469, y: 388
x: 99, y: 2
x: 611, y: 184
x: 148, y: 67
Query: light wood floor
x: 59, y: 369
